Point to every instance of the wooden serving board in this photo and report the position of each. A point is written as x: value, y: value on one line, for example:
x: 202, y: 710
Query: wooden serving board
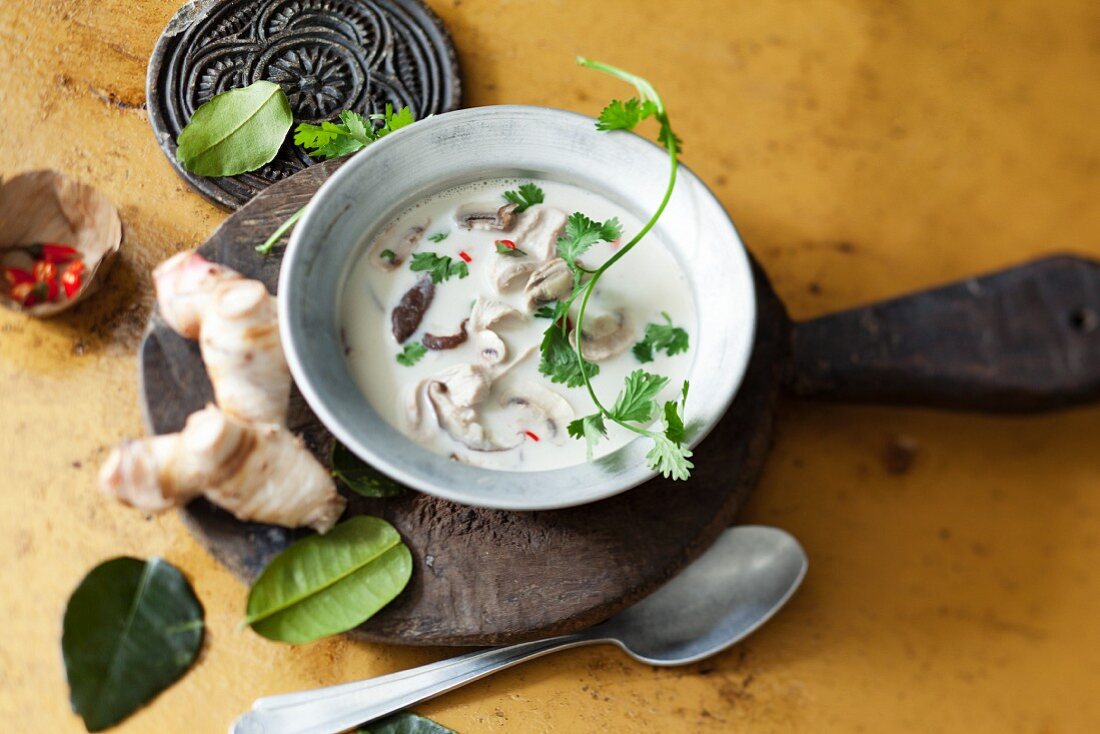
x: 485, y: 576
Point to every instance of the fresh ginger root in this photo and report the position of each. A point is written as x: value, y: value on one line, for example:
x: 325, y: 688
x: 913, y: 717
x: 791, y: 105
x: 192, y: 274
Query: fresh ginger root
x: 237, y: 325
x: 260, y: 473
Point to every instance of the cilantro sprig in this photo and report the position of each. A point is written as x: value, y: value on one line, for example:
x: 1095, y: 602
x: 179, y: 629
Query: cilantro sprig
x: 332, y: 140
x: 671, y: 340
x: 527, y: 195
x: 440, y: 267
x: 353, y: 133
x: 636, y: 404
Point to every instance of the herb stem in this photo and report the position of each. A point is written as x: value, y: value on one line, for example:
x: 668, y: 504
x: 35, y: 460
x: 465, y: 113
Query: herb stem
x: 674, y: 166
x: 266, y: 247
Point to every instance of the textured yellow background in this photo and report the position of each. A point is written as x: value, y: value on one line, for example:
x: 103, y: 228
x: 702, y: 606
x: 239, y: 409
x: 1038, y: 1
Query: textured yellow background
x: 864, y: 148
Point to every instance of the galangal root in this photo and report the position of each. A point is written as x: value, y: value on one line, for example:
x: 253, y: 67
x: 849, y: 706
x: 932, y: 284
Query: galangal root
x: 238, y: 454
x: 261, y: 473
x: 237, y: 325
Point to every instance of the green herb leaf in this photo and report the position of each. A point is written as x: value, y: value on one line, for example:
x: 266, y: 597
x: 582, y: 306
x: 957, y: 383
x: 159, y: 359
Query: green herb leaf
x: 359, y: 476
x: 327, y: 584
x: 526, y: 196
x: 513, y: 251
x: 547, y: 312
x: 624, y: 115
x: 236, y: 132
x: 388, y: 255
x: 670, y: 458
x: 560, y: 362
x: 131, y: 629
x: 411, y: 354
x: 439, y: 236
x: 405, y: 723
x: 661, y: 337
x: 581, y: 233
x: 591, y: 428
x: 353, y: 133
x: 441, y: 267
x: 637, y: 401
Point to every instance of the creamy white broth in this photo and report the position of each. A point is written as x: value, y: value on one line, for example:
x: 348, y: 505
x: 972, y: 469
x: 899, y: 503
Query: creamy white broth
x: 641, y: 285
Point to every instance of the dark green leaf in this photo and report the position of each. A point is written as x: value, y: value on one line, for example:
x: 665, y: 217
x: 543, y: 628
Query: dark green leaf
x: 674, y: 423
x: 439, y: 236
x: 405, y: 723
x: 360, y: 477
x: 560, y: 362
x: 513, y: 251
x: 661, y: 337
x: 546, y: 312
x: 131, y: 629
x: 236, y: 132
x: 388, y: 255
x: 326, y: 584
x: 441, y: 267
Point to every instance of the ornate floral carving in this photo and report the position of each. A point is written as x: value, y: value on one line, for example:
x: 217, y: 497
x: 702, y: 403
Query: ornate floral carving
x: 328, y: 55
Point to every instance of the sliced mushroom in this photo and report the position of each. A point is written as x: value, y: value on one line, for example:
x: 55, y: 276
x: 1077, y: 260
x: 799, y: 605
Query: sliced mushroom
x: 606, y: 335
x: 439, y: 343
x: 546, y: 406
x: 485, y: 313
x: 401, y: 247
x: 488, y: 311
x: 551, y: 281
x: 410, y: 310
x: 486, y: 217
x: 453, y: 396
x: 537, y: 236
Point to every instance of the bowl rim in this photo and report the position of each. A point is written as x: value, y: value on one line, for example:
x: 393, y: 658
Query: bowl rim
x: 313, y: 396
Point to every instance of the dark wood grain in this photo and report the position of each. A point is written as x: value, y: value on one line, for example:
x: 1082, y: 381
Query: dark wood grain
x: 1023, y: 339
x: 487, y: 576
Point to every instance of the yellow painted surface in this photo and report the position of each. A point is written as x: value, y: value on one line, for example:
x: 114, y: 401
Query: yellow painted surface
x: 864, y: 148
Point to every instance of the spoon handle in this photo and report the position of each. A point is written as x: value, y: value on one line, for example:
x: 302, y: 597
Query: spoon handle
x: 337, y: 708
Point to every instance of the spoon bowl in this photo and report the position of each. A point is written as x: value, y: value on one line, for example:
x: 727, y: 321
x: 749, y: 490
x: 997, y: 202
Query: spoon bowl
x: 727, y: 593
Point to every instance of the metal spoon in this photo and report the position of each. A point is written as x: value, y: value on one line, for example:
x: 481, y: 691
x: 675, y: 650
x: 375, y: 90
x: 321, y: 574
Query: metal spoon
x: 729, y: 591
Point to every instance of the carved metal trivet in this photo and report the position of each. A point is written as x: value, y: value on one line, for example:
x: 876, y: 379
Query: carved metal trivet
x: 328, y: 56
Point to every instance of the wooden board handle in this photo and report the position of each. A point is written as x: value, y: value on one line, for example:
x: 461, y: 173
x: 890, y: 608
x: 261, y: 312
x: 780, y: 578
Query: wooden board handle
x: 1025, y: 339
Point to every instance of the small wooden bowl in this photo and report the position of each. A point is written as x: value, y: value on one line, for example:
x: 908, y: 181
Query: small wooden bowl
x: 46, y: 206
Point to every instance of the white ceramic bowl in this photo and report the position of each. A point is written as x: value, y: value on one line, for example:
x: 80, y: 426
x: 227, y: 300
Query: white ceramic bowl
x: 494, y: 142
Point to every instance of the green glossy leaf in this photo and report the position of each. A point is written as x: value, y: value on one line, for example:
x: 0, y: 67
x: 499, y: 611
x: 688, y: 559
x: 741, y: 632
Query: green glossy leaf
x: 236, y: 132
x: 360, y: 477
x: 326, y: 584
x: 131, y: 629
x: 405, y: 723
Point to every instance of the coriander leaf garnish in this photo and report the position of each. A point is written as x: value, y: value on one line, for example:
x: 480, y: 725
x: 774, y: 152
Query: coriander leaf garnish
x: 637, y: 401
x: 559, y: 360
x: 526, y: 196
x: 441, y: 267
x: 581, y: 233
x: 672, y: 340
x: 353, y: 133
x: 439, y: 237
x: 670, y: 458
x: 624, y: 115
x: 411, y: 354
x: 331, y: 140
x: 591, y: 428
x: 388, y: 255
x: 546, y: 312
